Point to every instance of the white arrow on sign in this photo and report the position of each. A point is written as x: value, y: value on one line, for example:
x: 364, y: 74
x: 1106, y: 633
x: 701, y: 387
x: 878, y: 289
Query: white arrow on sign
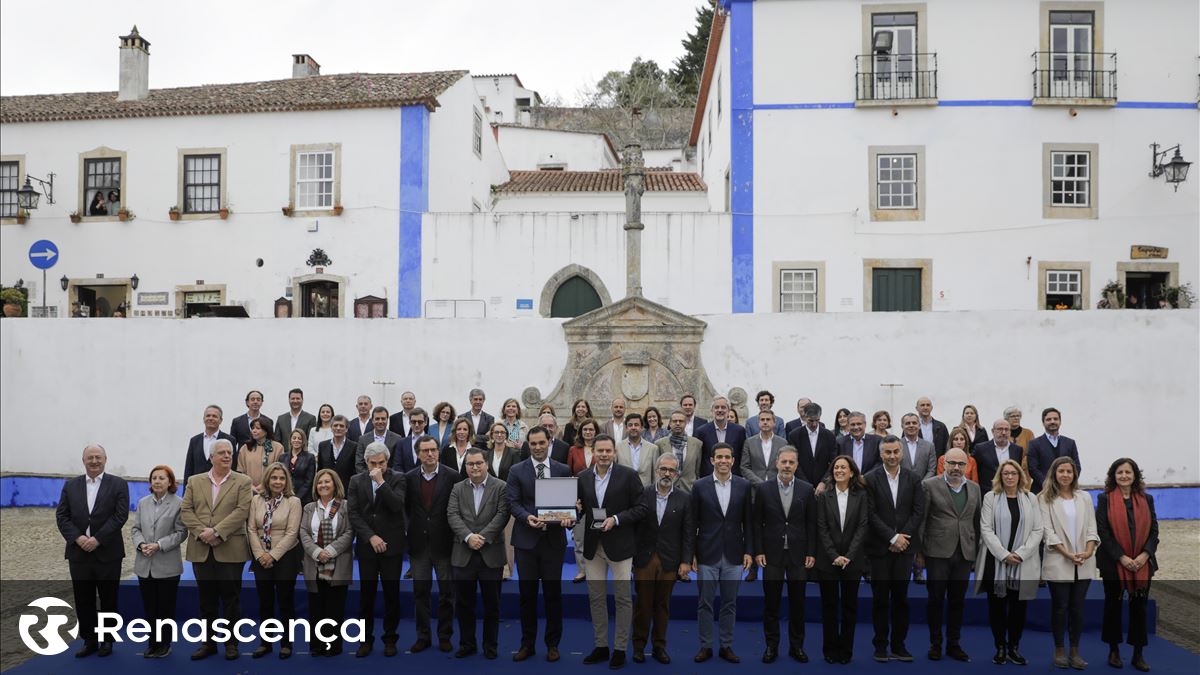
x: 48, y: 254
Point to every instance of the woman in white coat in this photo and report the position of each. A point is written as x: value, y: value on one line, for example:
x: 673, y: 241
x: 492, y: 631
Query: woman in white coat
x: 1008, y: 566
x: 157, y: 533
x: 1069, y: 563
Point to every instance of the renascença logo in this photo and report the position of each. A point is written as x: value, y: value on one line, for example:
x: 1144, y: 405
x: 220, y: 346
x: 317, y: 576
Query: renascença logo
x: 51, y: 633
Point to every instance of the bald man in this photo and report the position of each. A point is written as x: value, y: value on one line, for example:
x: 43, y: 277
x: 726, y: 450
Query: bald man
x: 949, y: 538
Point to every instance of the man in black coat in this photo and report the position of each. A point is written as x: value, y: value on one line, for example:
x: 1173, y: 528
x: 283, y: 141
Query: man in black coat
x: 339, y: 452
x: 666, y: 540
x: 376, y: 500
x: 897, y: 507
x: 720, y: 430
x: 785, y: 537
x: 815, y: 447
x: 858, y: 445
x: 92, y: 510
x: 427, y: 495
x: 559, y: 451
x: 200, y: 446
x: 239, y: 428
x: 932, y: 430
x: 989, y: 454
x: 1048, y: 447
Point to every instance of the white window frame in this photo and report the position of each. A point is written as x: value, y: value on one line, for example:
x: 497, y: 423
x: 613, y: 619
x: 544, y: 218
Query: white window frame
x: 322, y: 198
x: 1069, y: 274
x: 477, y: 139
x: 17, y: 182
x: 297, y: 151
x: 799, y: 289
x: 1059, y: 170
x: 908, y: 175
x: 814, y: 270
x: 1064, y: 282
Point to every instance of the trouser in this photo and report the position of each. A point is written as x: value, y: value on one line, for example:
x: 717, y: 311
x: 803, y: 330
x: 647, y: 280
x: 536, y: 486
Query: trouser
x: 91, y: 579
x: 654, y: 586
x: 1066, y: 609
x: 597, y: 568
x: 543, y: 562
x: 774, y: 577
x: 423, y: 567
x: 889, y: 599
x: 839, y: 596
x: 1111, y: 632
x: 158, y: 601
x: 577, y: 543
x: 219, y: 584
x: 729, y: 576
x: 271, y: 587
x: 1007, y: 617
x: 386, y: 570
x: 947, y: 586
x: 488, y: 580
x: 328, y: 602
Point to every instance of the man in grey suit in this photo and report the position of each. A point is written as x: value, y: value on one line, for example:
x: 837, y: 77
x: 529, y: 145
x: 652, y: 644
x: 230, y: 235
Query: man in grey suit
x: 761, y: 450
x: 381, y: 434
x: 919, y: 455
x: 478, y: 512
x: 296, y: 418
x: 686, y: 448
x: 949, y: 536
x: 634, y: 452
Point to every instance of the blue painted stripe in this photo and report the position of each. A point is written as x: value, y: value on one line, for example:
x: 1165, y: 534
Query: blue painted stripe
x: 973, y: 103
x: 988, y: 103
x: 802, y: 106
x: 1160, y: 105
x: 414, y: 201
x: 741, y: 161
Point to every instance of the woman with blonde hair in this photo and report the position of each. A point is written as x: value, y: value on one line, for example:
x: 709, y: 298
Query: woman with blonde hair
x: 510, y: 417
x: 326, y: 535
x: 500, y: 458
x: 1008, y: 565
x: 581, y: 410
x: 274, y: 528
x: 301, y: 465
x: 1069, y: 563
x: 969, y: 423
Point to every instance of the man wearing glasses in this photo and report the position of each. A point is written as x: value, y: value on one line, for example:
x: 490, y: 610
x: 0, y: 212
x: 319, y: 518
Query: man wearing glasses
x: 666, y: 538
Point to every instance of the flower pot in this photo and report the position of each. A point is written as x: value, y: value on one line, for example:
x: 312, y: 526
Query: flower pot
x: 224, y: 213
x: 12, y: 310
x: 123, y: 215
x: 174, y: 215
x: 337, y: 210
x: 21, y: 219
x: 76, y: 218
x: 287, y: 210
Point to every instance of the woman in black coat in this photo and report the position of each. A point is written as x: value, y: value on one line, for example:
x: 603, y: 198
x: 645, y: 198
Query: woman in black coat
x: 842, y: 512
x: 301, y: 464
x: 1128, y: 529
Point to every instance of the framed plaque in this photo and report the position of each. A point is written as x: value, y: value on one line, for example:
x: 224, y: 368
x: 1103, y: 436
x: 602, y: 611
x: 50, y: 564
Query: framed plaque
x: 555, y: 498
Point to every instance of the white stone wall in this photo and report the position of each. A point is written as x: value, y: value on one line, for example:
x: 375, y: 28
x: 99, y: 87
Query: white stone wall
x: 458, y: 178
x: 528, y: 148
x: 139, y: 387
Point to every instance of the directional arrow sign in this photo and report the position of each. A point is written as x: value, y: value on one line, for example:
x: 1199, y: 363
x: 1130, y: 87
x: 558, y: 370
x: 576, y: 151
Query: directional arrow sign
x: 43, y: 254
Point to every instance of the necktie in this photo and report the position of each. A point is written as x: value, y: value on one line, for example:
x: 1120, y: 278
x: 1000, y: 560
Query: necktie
x: 541, y: 471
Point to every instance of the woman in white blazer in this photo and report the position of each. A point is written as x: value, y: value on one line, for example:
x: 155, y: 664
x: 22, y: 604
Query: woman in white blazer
x: 1069, y: 563
x: 1008, y: 565
x: 157, y: 533
x: 325, y: 536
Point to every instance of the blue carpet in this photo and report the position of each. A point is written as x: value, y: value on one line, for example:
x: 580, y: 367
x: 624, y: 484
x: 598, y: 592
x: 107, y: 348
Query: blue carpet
x: 682, y: 643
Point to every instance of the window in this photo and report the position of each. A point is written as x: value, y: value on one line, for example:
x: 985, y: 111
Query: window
x: 370, y: 307
x: 1063, y: 289
x: 719, y: 74
x: 102, y: 186
x: 798, y: 290
x: 1071, y: 66
x: 314, y: 180
x: 1069, y: 179
x: 10, y: 176
x: 895, y: 66
x: 897, y: 177
x: 894, y: 41
x: 201, y: 183
x: 478, y: 134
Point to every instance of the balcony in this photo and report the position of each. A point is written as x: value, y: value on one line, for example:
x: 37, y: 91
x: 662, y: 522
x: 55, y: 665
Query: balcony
x: 1075, y: 78
x: 895, y: 79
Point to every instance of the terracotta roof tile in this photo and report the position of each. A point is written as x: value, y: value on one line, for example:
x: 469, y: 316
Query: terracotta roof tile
x: 321, y: 92
x: 598, y: 181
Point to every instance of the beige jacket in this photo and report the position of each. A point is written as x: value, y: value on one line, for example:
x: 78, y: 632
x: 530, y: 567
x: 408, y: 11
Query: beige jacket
x: 285, y: 527
x: 1055, y: 565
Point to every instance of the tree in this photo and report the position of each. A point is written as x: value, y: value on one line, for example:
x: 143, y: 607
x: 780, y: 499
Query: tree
x: 685, y: 75
x: 643, y: 86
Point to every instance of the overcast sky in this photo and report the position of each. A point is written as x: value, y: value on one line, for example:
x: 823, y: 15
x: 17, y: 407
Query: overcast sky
x: 558, y: 47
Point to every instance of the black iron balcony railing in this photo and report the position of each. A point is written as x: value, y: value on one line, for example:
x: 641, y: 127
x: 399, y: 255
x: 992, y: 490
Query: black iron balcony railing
x: 1062, y: 75
x: 895, y: 77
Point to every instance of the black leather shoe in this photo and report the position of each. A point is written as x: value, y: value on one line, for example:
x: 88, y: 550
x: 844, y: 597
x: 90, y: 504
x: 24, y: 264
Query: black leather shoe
x: 1014, y: 656
x: 203, y: 652
x: 89, y: 648
x: 598, y: 654
x: 703, y: 655
x: 661, y: 656
x: 389, y: 649
x: 363, y: 650
x: 285, y: 652
x: 163, y: 651
x: 956, y: 652
x: 880, y: 655
x: 935, y: 652
x: 262, y: 651
x: 522, y: 653
x: 1139, y: 663
x: 231, y: 651
x: 105, y: 649
x: 798, y: 654
x: 489, y: 653
x: 770, y: 654
x: 445, y: 646
x: 726, y: 654
x: 419, y: 646
x: 617, y: 661
x: 639, y: 656
x: 999, y: 659
x: 151, y: 651
x: 317, y: 649
x: 335, y: 650
x: 846, y: 659
x: 901, y: 654
x: 552, y: 654
x: 465, y: 651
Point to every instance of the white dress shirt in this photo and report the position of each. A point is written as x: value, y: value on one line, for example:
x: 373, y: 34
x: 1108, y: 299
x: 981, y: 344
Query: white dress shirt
x: 724, y: 490
x: 1001, y: 454
x: 766, y: 448
x: 843, y: 501
x: 208, y: 441
x: 477, y: 492
x: 660, y: 503
x: 318, y: 514
x: 856, y: 449
x: 93, y: 489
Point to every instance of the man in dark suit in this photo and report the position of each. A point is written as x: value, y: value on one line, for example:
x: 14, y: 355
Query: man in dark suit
x: 199, y: 452
x: 687, y: 403
x: 666, y: 541
x: 481, y: 421
x: 381, y: 434
x: 815, y: 447
x: 427, y: 493
x: 404, y: 457
x: 989, y: 454
x: 240, y: 427
x: 92, y: 510
x: 338, y: 453
x: 932, y: 430
x: 863, y: 449
x: 792, y: 425
x: 295, y: 418
x: 1048, y: 447
x: 720, y: 430
x: 361, y: 424
x: 611, y: 496
x: 401, y: 422
x: 723, y: 513
x: 558, y: 449
x: 376, y: 501
x: 540, y: 546
x: 897, y: 507
x: 785, y: 538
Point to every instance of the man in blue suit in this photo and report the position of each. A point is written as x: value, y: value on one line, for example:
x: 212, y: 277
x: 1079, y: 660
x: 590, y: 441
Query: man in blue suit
x: 722, y: 510
x: 406, y: 458
x: 720, y: 430
x: 540, y: 546
x: 1048, y: 447
x: 857, y: 445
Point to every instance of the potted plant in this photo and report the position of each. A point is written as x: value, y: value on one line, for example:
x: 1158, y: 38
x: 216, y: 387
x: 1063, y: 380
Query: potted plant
x: 1180, y: 297
x: 224, y: 212
x: 125, y: 215
x: 174, y: 213
x: 337, y: 210
x: 22, y: 216
x: 1113, y: 296
x: 75, y: 217
x: 14, y: 301
x: 287, y: 210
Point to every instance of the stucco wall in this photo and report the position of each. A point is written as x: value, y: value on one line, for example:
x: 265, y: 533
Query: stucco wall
x: 525, y: 148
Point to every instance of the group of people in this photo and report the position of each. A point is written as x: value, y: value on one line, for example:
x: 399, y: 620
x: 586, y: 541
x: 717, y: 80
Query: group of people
x: 455, y: 494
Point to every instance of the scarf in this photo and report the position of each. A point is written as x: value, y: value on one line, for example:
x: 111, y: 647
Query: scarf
x: 272, y: 504
x: 1131, y: 543
x: 1007, y: 577
x: 678, y: 444
x: 325, y: 537
x: 514, y: 430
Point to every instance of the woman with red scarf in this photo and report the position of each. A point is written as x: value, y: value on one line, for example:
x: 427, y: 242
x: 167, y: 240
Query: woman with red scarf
x: 1128, y: 532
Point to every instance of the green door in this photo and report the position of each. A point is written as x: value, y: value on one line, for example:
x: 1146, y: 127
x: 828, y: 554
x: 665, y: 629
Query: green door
x: 574, y: 297
x: 896, y: 290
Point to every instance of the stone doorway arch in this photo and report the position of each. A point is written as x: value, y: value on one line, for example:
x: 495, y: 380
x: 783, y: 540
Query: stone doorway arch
x: 555, y: 282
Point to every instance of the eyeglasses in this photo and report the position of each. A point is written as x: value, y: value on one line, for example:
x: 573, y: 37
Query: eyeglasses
x: 476, y: 463
x: 955, y: 463
x: 667, y: 470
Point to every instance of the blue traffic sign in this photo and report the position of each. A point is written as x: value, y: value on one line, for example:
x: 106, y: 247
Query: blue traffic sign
x: 43, y: 254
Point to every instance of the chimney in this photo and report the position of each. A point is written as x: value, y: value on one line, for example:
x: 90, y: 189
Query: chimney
x: 135, y: 67
x: 304, y: 65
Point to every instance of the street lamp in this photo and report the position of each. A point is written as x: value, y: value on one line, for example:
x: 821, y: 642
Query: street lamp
x: 1176, y: 170
x: 133, y: 281
x: 27, y: 196
x: 64, y: 282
